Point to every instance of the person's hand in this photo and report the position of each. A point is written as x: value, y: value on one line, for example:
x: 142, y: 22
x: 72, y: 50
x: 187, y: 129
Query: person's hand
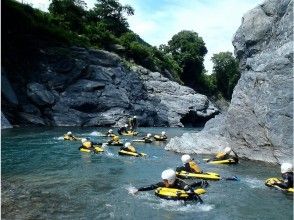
x: 204, y: 183
x: 133, y: 190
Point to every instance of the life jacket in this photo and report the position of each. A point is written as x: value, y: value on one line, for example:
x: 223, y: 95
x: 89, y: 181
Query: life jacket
x: 115, y: 138
x: 87, y: 144
x: 194, y: 167
x: 131, y: 149
x: 221, y: 155
x: 68, y: 137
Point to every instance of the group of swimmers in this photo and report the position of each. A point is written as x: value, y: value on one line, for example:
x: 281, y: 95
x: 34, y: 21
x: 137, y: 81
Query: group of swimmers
x: 168, y: 176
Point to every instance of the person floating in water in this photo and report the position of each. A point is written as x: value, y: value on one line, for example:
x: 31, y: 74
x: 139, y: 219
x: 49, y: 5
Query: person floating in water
x: 114, y: 140
x: 110, y: 133
x: 226, y: 154
x: 287, y: 175
x: 189, y: 165
x: 86, y: 144
x: 147, y: 138
x: 69, y: 136
x: 161, y: 137
x: 122, y: 130
x: 169, y: 180
x: 133, y: 123
x: 128, y: 147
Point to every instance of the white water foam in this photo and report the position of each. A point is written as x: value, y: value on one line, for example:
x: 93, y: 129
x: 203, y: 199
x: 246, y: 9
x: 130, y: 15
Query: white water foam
x: 181, y: 206
x: 131, y: 190
x: 170, y: 205
x: 58, y: 138
x: 254, y: 183
x: 96, y: 133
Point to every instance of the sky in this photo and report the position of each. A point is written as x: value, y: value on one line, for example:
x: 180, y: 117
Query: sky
x: 156, y: 21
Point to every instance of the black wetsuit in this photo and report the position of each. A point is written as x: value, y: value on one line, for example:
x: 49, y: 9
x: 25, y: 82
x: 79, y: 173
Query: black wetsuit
x: 122, y: 130
x: 287, y: 181
x: 178, y: 184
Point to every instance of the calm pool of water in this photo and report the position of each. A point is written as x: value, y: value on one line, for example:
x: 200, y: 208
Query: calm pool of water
x: 44, y: 177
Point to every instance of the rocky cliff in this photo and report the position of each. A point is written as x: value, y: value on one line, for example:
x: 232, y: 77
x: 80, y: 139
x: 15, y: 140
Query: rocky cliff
x: 259, y: 121
x: 86, y: 87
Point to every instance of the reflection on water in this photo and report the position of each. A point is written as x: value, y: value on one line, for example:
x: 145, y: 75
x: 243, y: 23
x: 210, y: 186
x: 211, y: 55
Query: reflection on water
x: 44, y: 177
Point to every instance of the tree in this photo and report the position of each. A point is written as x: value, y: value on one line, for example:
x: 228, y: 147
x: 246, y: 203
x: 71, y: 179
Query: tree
x: 226, y: 70
x: 188, y: 50
x: 112, y: 13
x: 69, y: 13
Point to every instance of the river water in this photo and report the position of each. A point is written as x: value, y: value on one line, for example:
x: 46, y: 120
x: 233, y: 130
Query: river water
x: 44, y: 177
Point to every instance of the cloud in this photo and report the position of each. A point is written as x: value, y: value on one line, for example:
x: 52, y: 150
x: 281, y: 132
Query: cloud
x: 215, y: 21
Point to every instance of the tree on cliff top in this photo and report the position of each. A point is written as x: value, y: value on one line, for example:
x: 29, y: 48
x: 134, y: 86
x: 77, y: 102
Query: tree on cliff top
x: 226, y: 70
x: 112, y: 13
x: 188, y: 50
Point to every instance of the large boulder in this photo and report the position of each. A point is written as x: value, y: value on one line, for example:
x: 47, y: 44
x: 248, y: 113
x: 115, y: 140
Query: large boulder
x: 86, y: 87
x: 4, y: 122
x: 39, y: 94
x: 259, y: 122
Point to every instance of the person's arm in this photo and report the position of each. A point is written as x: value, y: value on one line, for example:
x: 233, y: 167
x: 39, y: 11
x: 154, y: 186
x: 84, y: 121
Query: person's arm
x: 235, y: 154
x: 151, y: 187
x: 287, y: 181
x: 202, y: 183
x: 180, y: 184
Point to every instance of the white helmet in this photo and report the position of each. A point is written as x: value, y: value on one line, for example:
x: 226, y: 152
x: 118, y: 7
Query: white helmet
x: 69, y: 133
x: 163, y: 133
x: 83, y: 140
x: 227, y: 150
x: 128, y: 144
x: 126, y: 125
x: 135, y: 116
x: 110, y: 131
x: 169, y: 175
x: 286, y: 167
x: 149, y: 135
x: 186, y: 158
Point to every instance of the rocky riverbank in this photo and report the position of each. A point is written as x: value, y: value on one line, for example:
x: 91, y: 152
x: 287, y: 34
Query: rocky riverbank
x: 259, y: 121
x: 86, y: 87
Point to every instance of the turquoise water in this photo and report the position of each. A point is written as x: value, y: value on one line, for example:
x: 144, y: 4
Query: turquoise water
x: 44, y: 177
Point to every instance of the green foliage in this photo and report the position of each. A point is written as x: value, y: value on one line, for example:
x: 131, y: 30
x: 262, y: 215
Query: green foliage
x: 69, y: 13
x: 112, y: 13
x: 69, y: 22
x: 188, y: 50
x: 226, y: 71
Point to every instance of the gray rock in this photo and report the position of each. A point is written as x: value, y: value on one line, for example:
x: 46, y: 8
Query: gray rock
x: 87, y: 87
x: 31, y: 119
x: 259, y: 122
x: 84, y: 85
x: 31, y: 109
x: 39, y: 94
x: 104, y: 58
x: 7, y: 90
x: 4, y: 122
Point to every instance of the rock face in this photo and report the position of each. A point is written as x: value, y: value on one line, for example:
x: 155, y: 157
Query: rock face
x: 83, y: 87
x: 4, y: 122
x: 259, y: 121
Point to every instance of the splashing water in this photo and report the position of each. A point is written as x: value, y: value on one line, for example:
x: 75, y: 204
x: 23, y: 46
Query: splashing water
x: 254, y: 183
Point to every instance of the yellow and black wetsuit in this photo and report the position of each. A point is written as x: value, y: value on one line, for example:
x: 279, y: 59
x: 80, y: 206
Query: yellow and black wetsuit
x: 69, y: 137
x: 129, y: 149
x: 88, y: 145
